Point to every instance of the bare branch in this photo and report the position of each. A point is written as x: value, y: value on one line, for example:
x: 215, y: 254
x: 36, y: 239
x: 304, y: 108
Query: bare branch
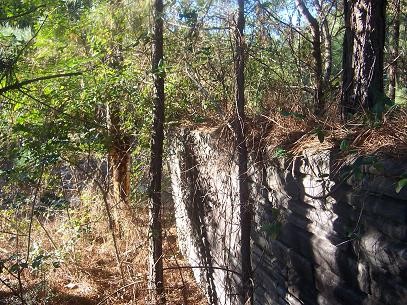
x: 19, y: 85
x: 22, y: 14
x: 282, y: 22
x: 21, y: 51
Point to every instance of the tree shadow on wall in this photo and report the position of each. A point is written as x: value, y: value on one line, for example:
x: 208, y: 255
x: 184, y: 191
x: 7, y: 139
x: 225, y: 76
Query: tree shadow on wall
x: 311, y: 264
x: 196, y: 214
x: 347, y: 271
x: 333, y: 267
x: 369, y: 234
x: 284, y: 270
x: 299, y: 258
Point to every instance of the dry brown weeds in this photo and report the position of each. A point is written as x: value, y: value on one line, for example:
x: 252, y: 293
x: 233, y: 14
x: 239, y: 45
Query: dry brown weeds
x: 89, y: 273
x: 294, y: 134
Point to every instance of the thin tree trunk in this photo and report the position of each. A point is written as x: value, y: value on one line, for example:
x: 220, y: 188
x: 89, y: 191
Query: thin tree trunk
x: 156, y: 279
x: 394, y: 50
x: 327, y: 41
x: 316, y: 53
x: 120, y: 160
x: 119, y: 147
x: 328, y: 54
x: 363, y: 55
x: 245, y: 207
x: 347, y: 74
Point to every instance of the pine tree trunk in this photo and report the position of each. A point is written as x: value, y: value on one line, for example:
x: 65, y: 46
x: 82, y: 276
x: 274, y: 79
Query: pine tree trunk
x: 240, y: 131
x: 327, y: 41
x: 394, y: 50
x: 316, y: 53
x: 362, y: 84
x: 120, y: 162
x: 156, y: 279
x: 119, y: 155
x: 119, y: 143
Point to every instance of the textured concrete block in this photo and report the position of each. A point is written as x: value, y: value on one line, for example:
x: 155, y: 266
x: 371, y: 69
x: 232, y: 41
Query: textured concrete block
x: 317, y: 239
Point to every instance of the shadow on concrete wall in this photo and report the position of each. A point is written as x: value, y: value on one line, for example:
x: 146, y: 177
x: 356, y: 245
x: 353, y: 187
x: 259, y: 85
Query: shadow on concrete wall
x: 289, y: 276
x: 347, y: 230
x: 300, y: 253
x: 371, y: 233
x: 196, y: 213
x: 328, y: 249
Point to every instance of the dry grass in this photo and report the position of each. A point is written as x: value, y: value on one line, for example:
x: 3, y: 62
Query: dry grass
x: 89, y: 272
x: 294, y: 134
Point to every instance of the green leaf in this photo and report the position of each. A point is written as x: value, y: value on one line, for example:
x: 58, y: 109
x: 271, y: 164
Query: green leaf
x: 272, y: 229
x: 294, y: 114
x: 285, y: 113
x: 344, y: 146
x: 56, y: 264
x: 320, y: 134
x: 280, y: 152
x: 37, y: 261
x: 378, y: 166
x: 400, y: 184
x: 15, y: 267
x: 160, y: 70
x: 357, y: 173
x: 24, y: 265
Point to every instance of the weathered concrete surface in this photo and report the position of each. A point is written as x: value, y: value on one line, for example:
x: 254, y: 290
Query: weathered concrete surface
x: 316, y: 239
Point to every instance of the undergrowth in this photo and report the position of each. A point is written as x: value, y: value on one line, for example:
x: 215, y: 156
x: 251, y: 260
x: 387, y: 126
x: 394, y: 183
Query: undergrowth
x: 72, y: 258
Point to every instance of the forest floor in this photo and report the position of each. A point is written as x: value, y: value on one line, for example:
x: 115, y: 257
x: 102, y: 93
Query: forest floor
x: 74, y: 260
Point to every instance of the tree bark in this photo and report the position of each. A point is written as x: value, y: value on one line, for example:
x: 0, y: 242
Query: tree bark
x: 328, y: 54
x: 394, y: 50
x: 362, y: 83
x: 156, y: 279
x: 317, y: 55
x: 240, y: 132
x: 327, y: 42
x: 120, y: 144
x: 120, y: 162
x: 119, y: 157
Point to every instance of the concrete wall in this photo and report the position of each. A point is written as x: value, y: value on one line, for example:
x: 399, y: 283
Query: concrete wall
x: 318, y: 237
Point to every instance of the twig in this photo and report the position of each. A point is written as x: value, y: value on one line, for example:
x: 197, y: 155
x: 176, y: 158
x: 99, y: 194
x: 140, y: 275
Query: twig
x: 184, y: 296
x: 22, y: 14
x: 75, y: 118
x: 282, y: 22
x: 18, y: 85
x: 47, y: 233
x: 32, y: 213
x: 116, y: 291
x: 25, y: 46
x: 109, y: 216
x: 356, y: 227
x: 203, y: 267
x: 11, y: 233
x: 13, y: 291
